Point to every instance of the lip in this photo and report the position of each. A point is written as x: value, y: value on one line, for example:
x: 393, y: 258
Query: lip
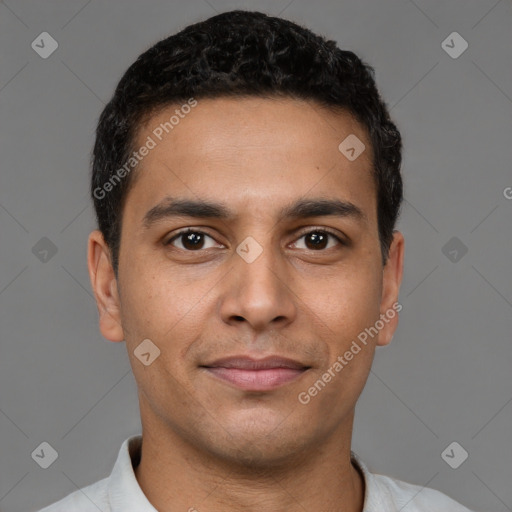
x: 256, y: 374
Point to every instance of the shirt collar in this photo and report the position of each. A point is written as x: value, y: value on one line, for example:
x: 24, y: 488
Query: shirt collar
x: 125, y: 494
x: 373, y: 494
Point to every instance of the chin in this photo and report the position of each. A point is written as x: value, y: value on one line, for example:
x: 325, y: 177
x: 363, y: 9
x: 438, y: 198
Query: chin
x: 262, y: 445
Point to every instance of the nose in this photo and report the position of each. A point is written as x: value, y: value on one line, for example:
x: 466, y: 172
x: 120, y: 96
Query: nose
x: 259, y: 293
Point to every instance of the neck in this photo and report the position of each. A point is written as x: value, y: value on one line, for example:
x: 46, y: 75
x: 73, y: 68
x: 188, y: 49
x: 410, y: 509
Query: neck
x: 175, y: 475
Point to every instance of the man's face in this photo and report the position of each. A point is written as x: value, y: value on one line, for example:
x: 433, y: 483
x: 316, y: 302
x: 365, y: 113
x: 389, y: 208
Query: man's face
x: 203, y: 297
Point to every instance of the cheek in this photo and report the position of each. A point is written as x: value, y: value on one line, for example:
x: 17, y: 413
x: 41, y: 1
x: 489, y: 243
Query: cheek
x: 154, y: 306
x: 348, y: 308
x: 153, y: 309
x: 348, y: 302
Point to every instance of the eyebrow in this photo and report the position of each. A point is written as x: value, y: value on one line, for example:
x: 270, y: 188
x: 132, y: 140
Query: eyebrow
x: 201, y: 209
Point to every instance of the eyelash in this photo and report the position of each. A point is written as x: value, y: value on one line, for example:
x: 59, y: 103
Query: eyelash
x: 197, y: 231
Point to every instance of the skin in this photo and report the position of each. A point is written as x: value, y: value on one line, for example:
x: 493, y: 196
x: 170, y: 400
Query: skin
x: 208, y: 444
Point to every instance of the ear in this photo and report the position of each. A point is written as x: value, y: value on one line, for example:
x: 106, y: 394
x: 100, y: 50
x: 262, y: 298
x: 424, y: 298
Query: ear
x: 391, y: 280
x: 104, y: 284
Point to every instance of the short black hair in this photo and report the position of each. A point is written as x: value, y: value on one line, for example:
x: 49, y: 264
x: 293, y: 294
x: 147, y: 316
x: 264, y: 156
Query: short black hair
x: 234, y: 54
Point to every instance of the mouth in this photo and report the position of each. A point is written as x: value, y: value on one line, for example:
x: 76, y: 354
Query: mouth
x: 256, y: 374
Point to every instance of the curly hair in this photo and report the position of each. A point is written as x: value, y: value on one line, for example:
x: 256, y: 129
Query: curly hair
x: 243, y: 53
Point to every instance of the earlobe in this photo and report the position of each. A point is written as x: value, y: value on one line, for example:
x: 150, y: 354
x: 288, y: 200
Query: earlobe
x: 104, y: 284
x: 391, y: 281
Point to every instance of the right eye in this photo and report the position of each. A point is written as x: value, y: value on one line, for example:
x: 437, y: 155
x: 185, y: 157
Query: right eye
x: 190, y: 240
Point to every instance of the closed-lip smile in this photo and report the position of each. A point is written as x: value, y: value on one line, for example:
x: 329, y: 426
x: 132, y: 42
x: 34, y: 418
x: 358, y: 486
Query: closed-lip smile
x: 252, y: 374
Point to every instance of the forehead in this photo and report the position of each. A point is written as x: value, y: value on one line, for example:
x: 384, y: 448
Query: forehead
x: 252, y: 153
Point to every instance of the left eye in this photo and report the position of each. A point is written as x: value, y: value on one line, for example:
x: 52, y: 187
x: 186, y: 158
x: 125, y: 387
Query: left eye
x: 318, y: 239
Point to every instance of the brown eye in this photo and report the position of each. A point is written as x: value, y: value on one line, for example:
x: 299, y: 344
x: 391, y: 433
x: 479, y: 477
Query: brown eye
x: 190, y: 240
x: 318, y: 240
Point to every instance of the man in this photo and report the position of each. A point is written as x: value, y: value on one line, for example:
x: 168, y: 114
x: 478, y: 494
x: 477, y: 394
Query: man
x: 246, y: 180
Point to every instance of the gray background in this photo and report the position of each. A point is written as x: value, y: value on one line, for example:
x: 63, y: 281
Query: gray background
x: 445, y: 377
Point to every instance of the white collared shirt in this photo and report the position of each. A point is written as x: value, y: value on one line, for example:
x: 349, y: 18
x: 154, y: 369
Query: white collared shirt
x: 120, y: 492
